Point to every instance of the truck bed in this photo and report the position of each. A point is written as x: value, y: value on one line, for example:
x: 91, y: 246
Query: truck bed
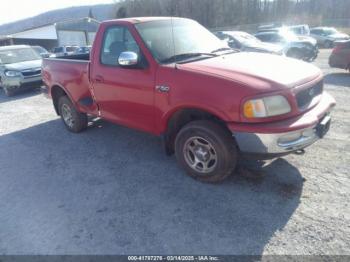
x: 71, y: 74
x: 84, y: 57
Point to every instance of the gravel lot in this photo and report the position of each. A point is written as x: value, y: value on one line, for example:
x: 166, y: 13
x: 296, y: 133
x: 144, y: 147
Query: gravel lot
x: 111, y: 190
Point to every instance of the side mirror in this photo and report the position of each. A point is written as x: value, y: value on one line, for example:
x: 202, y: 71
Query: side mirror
x: 128, y: 59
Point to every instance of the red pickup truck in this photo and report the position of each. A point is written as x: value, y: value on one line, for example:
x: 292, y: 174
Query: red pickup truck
x: 173, y: 78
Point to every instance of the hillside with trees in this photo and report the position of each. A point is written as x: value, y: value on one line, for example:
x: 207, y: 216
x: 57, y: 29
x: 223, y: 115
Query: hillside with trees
x: 223, y: 13
x: 211, y: 13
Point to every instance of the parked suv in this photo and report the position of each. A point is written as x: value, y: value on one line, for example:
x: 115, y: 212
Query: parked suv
x: 83, y: 50
x: 41, y: 51
x: 248, y: 43
x: 326, y: 36
x: 300, y: 30
x: 340, y: 57
x: 304, y: 49
x: 20, y: 68
x: 64, y: 50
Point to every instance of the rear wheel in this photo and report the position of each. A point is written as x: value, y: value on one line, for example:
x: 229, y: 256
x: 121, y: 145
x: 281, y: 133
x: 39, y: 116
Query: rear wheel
x: 73, y: 120
x: 206, y: 151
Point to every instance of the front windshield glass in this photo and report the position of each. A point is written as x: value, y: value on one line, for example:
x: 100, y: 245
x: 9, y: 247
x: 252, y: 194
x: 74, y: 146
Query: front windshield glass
x: 168, y: 38
x: 18, y: 55
x: 330, y: 31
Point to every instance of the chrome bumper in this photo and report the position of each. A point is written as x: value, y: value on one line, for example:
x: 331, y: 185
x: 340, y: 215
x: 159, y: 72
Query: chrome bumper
x: 281, y: 143
x: 19, y: 82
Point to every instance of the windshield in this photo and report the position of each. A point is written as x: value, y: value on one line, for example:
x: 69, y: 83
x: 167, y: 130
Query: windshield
x: 18, y: 55
x: 330, y: 31
x: 39, y: 49
x: 185, y: 37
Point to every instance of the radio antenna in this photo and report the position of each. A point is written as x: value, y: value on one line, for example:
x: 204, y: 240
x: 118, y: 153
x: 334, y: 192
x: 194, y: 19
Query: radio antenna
x: 173, y: 36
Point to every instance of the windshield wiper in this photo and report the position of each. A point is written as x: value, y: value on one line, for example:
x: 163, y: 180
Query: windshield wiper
x: 186, y: 56
x: 224, y: 49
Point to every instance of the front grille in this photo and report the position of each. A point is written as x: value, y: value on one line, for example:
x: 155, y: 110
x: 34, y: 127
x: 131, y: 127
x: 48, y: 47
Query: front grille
x: 304, y: 97
x: 32, y: 84
x: 29, y: 73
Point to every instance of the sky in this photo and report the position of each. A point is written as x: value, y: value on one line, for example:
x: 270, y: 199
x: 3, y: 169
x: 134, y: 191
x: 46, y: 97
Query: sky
x: 13, y: 10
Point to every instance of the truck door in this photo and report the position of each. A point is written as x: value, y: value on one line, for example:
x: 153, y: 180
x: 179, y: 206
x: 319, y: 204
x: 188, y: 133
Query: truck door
x: 124, y: 95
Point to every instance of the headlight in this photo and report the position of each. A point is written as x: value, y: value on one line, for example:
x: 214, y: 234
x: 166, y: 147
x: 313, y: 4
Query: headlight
x: 266, y: 107
x: 12, y: 73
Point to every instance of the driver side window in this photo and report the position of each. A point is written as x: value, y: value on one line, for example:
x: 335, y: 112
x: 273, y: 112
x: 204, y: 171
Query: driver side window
x: 117, y: 39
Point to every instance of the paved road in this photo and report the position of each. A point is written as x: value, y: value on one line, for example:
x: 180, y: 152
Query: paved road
x: 111, y: 190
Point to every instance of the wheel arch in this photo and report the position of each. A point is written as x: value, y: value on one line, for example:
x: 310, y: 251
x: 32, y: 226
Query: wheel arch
x: 58, y: 91
x: 181, y: 117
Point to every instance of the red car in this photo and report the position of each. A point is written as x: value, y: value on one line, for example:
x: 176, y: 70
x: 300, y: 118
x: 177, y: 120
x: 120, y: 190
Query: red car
x: 340, y: 57
x: 172, y: 78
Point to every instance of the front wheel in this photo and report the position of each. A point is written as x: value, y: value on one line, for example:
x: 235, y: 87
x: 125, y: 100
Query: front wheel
x: 73, y: 120
x: 206, y: 151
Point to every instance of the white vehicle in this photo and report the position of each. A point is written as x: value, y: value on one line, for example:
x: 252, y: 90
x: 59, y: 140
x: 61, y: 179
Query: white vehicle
x: 64, y: 51
x: 326, y: 36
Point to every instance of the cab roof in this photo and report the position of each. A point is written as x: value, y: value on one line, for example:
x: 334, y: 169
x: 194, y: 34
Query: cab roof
x: 138, y: 20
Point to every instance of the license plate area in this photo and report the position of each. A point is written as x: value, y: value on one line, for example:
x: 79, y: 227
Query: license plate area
x: 323, y: 126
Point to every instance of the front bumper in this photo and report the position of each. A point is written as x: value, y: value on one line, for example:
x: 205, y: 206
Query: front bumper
x: 22, y: 83
x: 286, y: 136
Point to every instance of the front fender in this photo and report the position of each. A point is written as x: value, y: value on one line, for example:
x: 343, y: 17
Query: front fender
x: 166, y: 117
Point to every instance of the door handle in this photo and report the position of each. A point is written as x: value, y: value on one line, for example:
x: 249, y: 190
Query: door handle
x: 99, y: 79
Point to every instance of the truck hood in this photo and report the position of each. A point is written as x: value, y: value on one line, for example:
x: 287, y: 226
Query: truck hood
x: 24, y: 65
x: 308, y: 39
x: 243, y: 67
x: 339, y: 36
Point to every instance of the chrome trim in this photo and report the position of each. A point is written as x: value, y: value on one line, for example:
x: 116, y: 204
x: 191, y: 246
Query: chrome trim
x: 303, y: 140
x: 128, y: 59
x: 271, y: 143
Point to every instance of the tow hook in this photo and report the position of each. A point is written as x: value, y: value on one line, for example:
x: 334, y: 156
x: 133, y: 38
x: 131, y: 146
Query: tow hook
x: 300, y: 152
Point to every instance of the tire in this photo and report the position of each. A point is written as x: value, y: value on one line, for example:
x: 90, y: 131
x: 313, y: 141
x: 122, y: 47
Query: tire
x: 72, y: 119
x: 8, y: 92
x: 211, y: 145
x: 328, y: 44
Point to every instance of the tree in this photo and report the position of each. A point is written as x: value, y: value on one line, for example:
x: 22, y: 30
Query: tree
x: 225, y: 13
